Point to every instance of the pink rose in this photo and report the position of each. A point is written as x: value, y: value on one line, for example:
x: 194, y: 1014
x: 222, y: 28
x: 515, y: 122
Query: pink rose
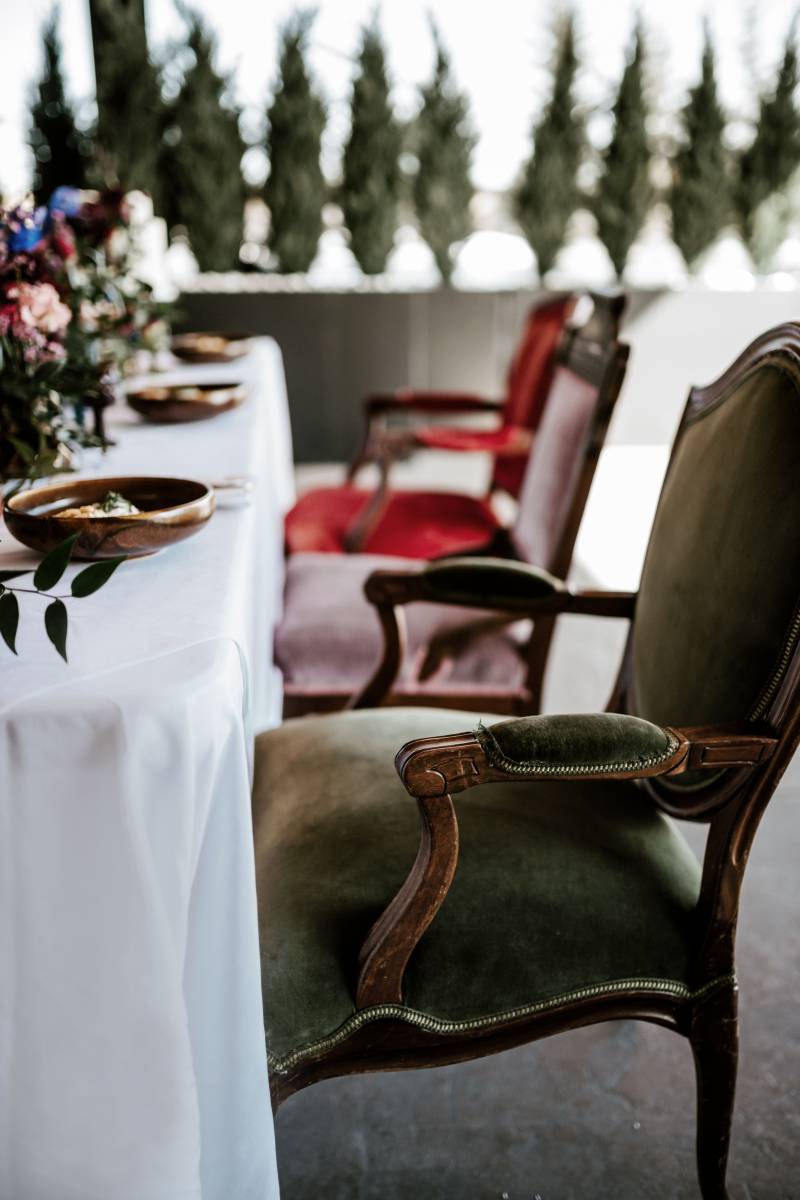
x: 40, y: 307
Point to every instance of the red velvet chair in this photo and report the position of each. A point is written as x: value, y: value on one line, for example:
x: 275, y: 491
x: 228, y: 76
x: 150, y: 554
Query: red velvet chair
x: 329, y: 641
x: 421, y: 524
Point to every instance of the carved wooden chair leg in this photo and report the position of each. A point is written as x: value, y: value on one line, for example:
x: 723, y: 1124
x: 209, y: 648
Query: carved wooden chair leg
x: 714, y: 1037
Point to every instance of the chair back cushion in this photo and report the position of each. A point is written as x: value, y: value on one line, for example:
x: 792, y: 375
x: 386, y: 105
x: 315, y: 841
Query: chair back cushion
x: 554, y: 467
x: 718, y: 598
x: 529, y: 379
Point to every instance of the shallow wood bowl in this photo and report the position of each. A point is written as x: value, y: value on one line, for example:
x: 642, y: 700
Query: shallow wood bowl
x: 211, y: 346
x: 186, y: 402
x: 172, y: 510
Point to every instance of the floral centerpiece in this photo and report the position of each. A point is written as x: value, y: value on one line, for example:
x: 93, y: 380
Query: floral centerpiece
x: 42, y: 387
x: 117, y: 315
x: 72, y: 314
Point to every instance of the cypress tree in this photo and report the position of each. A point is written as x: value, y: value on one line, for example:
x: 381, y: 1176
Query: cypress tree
x: 548, y: 193
x: 772, y: 157
x: 442, y: 187
x: 700, y: 195
x: 130, y: 112
x: 371, y: 173
x: 202, y: 183
x: 624, y: 193
x: 59, y: 148
x: 295, y: 190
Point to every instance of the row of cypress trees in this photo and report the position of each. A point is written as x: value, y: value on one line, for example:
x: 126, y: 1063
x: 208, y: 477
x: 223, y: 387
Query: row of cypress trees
x: 187, y: 150
x: 710, y: 187
x: 184, y: 150
x: 372, y: 183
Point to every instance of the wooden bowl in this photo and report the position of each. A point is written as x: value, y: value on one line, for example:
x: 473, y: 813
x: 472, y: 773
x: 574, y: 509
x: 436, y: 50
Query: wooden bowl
x: 186, y: 402
x: 211, y: 346
x: 172, y: 509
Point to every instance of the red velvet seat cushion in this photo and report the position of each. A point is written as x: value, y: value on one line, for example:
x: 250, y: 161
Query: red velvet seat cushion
x: 330, y: 639
x: 412, y: 525
x: 320, y: 519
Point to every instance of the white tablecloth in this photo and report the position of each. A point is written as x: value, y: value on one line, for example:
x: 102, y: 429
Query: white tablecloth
x: 132, y: 1057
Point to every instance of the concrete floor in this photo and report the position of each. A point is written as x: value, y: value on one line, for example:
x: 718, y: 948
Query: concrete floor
x: 598, y: 1113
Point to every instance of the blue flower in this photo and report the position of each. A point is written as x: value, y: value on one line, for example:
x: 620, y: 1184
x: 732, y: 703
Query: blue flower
x: 26, y: 231
x: 66, y: 200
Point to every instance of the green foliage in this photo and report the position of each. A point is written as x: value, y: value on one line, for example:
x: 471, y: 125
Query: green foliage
x: 201, y: 174
x: 130, y: 111
x: 55, y: 624
x: 624, y: 192
x: 548, y: 194
x: 769, y: 162
x: 60, y: 150
x: 442, y: 187
x: 9, y: 619
x: 295, y: 190
x: 700, y: 195
x: 40, y: 430
x: 46, y: 576
x: 53, y: 565
x: 92, y: 578
x: 371, y: 173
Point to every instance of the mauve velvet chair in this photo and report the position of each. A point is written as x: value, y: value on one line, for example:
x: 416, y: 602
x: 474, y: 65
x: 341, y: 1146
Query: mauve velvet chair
x: 424, y: 524
x: 563, y: 893
x: 329, y: 640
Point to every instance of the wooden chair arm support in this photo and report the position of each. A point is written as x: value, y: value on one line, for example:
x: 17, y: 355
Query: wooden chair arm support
x: 360, y: 529
x: 434, y: 769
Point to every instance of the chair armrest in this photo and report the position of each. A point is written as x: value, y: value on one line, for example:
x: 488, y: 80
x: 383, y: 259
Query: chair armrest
x: 496, y: 583
x: 503, y: 585
x: 574, y: 746
x: 414, y: 400
x: 377, y: 408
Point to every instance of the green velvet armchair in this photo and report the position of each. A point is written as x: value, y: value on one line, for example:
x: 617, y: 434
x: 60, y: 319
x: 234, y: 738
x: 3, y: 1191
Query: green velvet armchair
x: 552, y: 887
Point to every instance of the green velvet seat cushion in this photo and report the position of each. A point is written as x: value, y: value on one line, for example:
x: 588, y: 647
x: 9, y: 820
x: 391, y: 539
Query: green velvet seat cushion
x: 560, y: 886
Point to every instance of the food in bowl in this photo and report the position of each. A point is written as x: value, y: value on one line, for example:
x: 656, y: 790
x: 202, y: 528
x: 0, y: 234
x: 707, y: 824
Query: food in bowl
x: 112, y: 505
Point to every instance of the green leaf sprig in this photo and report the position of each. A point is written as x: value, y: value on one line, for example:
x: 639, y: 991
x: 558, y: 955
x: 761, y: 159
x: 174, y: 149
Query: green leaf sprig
x: 45, y: 577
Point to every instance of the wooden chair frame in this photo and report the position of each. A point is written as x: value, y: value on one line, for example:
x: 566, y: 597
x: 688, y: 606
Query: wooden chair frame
x: 582, y: 349
x: 748, y: 759
x: 389, y: 591
x: 380, y: 448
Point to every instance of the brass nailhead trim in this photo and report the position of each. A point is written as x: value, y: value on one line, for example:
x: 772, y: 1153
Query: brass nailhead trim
x: 399, y: 1012
x: 762, y: 703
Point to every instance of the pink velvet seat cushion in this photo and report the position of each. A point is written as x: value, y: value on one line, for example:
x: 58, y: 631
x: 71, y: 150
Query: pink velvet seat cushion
x: 330, y: 639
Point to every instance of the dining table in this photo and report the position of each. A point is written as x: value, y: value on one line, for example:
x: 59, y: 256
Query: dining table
x: 132, y: 1049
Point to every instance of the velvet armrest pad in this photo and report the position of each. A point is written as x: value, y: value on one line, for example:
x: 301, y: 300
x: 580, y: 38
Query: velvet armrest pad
x: 575, y: 744
x: 488, y: 582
